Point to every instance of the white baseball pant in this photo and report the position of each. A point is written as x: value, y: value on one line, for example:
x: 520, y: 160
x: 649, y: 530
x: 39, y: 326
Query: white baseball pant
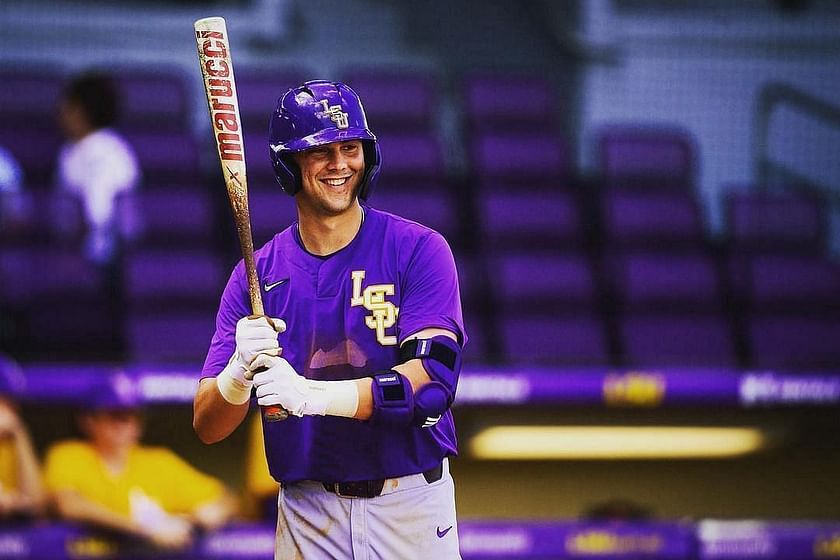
x: 411, y: 519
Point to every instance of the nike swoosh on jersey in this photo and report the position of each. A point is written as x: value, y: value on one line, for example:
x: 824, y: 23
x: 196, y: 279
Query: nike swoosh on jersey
x: 268, y: 287
x: 442, y: 534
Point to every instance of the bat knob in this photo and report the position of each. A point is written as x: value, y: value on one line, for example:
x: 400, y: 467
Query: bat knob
x: 271, y: 413
x: 274, y: 413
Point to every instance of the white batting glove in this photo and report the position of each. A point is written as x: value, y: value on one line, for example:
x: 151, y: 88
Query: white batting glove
x: 281, y: 385
x: 255, y: 336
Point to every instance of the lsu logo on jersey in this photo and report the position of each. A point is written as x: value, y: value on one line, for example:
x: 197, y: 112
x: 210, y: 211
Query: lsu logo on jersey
x: 339, y: 117
x: 383, y: 313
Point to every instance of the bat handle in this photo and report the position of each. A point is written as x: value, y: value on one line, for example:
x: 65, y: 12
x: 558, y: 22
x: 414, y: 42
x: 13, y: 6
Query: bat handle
x: 271, y: 413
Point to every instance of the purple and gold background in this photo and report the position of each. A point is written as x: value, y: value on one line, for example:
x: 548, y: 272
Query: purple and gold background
x: 642, y: 200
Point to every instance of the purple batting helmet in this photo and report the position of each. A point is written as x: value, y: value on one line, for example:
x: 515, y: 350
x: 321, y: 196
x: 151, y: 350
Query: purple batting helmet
x: 319, y: 112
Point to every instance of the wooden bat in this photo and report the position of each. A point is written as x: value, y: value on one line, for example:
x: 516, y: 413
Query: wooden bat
x: 219, y: 85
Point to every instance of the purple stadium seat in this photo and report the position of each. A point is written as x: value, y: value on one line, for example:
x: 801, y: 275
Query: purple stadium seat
x: 659, y: 339
x: 776, y: 222
x: 504, y: 102
x: 84, y: 326
x: 651, y: 218
x: 165, y: 217
x: 260, y: 170
x: 665, y: 154
x: 538, y: 219
x: 534, y: 156
x: 35, y: 273
x: 472, y: 280
x: 410, y: 158
x: 794, y: 342
x: 153, y: 98
x: 36, y: 216
x: 395, y: 100
x: 36, y: 150
x: 553, y: 339
x: 665, y: 280
x: 272, y: 211
x: 169, y: 275
x: 476, y: 351
x: 169, y: 337
x: 165, y: 157
x: 786, y: 281
x: 29, y: 96
x: 258, y: 90
x: 541, y: 281
x: 434, y: 208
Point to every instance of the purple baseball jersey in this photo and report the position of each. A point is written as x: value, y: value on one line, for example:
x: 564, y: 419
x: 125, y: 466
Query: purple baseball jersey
x: 346, y: 314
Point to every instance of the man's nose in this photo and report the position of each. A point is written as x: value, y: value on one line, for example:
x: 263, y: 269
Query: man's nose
x: 337, y: 160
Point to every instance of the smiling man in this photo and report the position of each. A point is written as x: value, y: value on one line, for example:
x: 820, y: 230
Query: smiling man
x: 367, y: 315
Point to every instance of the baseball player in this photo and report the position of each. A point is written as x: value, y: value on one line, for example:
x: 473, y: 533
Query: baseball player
x: 364, y: 350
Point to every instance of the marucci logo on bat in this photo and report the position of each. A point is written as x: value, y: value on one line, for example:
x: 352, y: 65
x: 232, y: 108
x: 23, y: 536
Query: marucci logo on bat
x: 221, y: 94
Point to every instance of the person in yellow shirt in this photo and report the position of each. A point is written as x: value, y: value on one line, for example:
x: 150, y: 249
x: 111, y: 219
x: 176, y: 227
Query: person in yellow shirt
x: 21, y: 489
x: 112, y: 481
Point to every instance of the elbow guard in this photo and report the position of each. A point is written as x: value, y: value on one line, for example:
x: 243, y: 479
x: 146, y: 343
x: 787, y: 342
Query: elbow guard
x: 395, y: 402
x: 441, y: 358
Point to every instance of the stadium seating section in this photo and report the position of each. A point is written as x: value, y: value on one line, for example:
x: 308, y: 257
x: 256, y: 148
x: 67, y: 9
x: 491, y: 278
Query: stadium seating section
x: 556, y: 268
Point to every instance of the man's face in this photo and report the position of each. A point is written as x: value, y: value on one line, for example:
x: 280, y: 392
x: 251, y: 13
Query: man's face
x: 331, y: 175
x: 113, y: 429
x: 72, y: 119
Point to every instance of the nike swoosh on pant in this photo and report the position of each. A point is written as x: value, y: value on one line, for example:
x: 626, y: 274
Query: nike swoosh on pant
x: 442, y: 534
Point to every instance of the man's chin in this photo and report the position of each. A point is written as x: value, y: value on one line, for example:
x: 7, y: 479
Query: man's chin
x: 337, y: 207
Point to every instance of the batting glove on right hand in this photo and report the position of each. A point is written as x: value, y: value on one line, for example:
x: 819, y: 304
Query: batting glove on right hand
x: 255, y: 335
x: 278, y: 384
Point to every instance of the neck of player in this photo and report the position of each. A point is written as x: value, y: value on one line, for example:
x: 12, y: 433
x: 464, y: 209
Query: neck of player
x: 324, y: 235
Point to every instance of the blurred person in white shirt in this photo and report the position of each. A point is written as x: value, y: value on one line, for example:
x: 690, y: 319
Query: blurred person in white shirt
x: 96, y: 162
x: 12, y: 207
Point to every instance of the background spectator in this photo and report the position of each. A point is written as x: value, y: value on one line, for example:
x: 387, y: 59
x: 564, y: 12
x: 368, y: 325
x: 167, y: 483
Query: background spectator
x: 95, y: 162
x: 110, y: 480
x: 21, y: 490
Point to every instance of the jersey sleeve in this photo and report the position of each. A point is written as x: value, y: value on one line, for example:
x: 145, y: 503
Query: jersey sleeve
x: 233, y: 306
x: 430, y: 294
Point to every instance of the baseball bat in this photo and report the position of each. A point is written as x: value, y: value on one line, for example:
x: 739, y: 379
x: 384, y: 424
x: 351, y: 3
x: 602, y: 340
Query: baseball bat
x: 219, y: 85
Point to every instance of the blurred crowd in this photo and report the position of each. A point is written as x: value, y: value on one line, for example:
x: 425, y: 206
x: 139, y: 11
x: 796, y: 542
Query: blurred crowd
x: 106, y: 478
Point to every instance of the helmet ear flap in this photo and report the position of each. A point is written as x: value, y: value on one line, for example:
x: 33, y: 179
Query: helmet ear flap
x: 373, y: 158
x: 287, y: 172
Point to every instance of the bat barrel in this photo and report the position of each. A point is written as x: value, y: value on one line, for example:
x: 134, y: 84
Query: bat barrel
x: 220, y: 86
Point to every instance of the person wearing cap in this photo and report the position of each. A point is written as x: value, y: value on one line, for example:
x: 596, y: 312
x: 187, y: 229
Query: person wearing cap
x: 110, y: 480
x: 21, y: 488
